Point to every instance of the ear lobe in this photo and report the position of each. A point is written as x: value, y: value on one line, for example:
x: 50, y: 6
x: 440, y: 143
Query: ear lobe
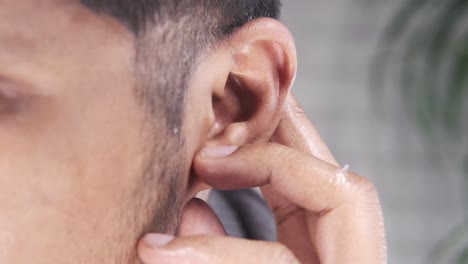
x: 263, y: 69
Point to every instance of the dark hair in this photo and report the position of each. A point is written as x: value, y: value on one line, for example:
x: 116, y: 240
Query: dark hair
x: 171, y: 35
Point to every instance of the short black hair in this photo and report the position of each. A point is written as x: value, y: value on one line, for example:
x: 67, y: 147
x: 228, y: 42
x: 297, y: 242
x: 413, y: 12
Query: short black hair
x: 137, y: 14
x: 171, y: 35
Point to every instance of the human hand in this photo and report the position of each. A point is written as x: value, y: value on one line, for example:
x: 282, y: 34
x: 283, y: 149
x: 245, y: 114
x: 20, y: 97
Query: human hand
x: 324, y: 214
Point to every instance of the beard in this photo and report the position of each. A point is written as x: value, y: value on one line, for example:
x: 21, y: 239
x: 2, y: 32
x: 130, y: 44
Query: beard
x: 160, y: 196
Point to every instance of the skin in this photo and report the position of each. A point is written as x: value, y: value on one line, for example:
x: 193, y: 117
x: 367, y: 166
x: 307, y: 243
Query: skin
x: 74, y: 149
x: 74, y: 140
x: 323, y: 214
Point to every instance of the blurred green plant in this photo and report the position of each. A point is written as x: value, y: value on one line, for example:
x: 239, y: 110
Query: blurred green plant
x: 427, y: 41
x: 429, y: 38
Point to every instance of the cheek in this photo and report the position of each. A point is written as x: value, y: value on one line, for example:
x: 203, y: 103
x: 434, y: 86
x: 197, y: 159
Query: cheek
x: 67, y: 172
x: 35, y: 204
x: 7, y: 240
x: 69, y: 161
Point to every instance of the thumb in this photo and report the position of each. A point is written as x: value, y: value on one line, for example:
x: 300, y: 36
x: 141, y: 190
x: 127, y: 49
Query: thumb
x: 156, y: 248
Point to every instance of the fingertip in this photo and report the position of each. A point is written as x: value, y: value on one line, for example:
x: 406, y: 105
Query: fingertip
x: 202, y: 166
x: 206, y: 168
x: 217, y: 152
x: 236, y: 171
x: 157, y: 240
x: 146, y: 253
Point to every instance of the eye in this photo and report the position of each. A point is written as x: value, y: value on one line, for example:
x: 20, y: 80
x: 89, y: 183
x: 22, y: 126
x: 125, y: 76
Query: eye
x: 10, y: 96
x: 6, y: 104
x: 3, y: 105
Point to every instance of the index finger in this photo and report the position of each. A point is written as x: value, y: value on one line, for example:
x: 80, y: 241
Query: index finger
x: 295, y: 130
x: 341, y: 215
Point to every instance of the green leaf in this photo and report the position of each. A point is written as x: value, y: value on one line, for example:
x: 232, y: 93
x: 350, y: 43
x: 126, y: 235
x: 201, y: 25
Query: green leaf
x: 463, y: 258
x: 457, y: 88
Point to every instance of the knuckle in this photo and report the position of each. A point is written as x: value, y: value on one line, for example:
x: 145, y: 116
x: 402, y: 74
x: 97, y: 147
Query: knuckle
x: 300, y: 112
x: 277, y: 152
x: 363, y: 186
x: 274, y: 148
x: 280, y: 152
x: 283, y: 213
x: 283, y: 255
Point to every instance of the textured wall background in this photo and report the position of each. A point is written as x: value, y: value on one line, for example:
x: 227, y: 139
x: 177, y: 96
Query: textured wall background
x: 421, y: 189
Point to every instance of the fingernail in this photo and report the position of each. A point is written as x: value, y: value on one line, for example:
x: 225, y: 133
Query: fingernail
x: 157, y: 240
x: 218, y: 152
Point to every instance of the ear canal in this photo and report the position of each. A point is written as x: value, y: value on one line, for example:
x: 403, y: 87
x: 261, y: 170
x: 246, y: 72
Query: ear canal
x: 247, y: 99
x: 236, y: 105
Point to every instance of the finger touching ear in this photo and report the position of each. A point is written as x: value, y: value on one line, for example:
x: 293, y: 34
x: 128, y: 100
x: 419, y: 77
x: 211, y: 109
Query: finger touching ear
x: 248, y: 106
x: 239, y: 88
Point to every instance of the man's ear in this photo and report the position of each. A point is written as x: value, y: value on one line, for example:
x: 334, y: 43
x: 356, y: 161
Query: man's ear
x: 247, y: 105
